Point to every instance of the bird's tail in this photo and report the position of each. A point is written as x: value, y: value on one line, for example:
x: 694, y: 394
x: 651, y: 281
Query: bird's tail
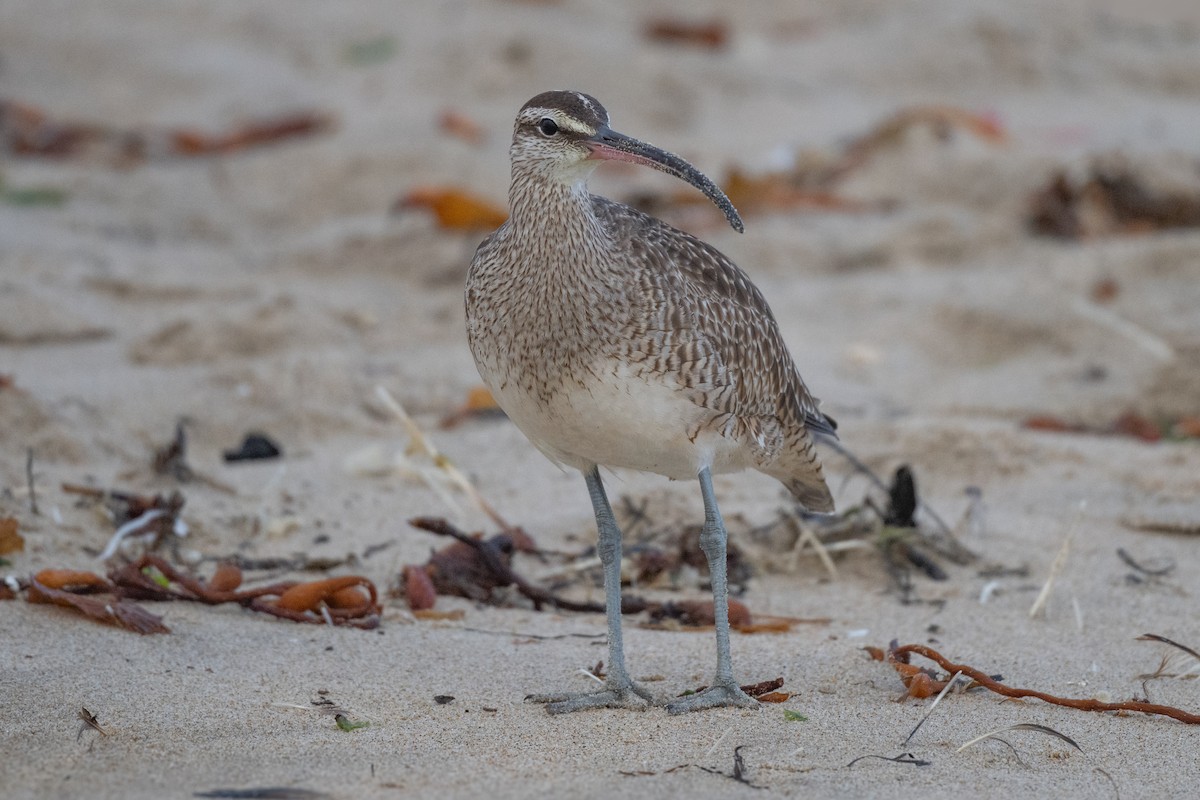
x: 812, y: 494
x: 800, y: 471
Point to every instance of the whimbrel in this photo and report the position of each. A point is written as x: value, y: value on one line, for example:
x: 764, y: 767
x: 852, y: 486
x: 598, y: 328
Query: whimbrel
x: 612, y: 339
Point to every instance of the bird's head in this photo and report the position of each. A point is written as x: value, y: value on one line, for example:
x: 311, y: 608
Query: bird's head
x: 563, y: 135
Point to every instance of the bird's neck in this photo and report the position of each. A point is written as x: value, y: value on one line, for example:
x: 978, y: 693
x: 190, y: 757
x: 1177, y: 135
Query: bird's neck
x: 550, y: 214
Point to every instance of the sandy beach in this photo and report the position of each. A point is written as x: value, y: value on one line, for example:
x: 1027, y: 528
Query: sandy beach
x: 166, y: 263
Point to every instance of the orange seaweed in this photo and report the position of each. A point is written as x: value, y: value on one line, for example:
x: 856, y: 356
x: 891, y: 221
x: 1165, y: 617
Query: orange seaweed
x: 454, y: 209
x: 226, y: 578
x: 311, y: 595
x: 11, y: 540
x: 70, y: 579
x: 418, y: 588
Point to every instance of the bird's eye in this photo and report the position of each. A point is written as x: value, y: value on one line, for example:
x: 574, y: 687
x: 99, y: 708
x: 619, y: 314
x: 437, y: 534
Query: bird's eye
x: 548, y: 127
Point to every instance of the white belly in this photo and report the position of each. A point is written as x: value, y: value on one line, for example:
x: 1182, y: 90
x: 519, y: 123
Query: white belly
x: 622, y: 421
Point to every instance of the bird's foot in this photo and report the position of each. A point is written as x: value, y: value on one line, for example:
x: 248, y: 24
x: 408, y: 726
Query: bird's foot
x: 622, y: 695
x: 721, y: 695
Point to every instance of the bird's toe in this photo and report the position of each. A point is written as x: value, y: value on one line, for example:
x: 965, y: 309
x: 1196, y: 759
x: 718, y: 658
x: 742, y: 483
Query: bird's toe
x: 633, y: 697
x: 719, y: 696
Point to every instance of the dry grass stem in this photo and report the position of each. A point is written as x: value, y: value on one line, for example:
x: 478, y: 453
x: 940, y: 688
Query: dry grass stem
x: 453, y: 473
x: 1060, y: 561
x: 1143, y: 338
x: 945, y: 690
x: 1022, y: 726
x: 806, y: 538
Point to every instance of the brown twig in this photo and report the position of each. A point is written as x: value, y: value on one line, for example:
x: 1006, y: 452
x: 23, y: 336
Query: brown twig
x: 765, y: 691
x: 899, y: 654
x: 505, y: 576
x: 27, y: 130
x: 134, y: 582
x: 118, y: 612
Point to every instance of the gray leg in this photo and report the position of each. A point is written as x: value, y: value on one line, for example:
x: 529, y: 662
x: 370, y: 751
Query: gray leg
x: 713, y: 539
x: 619, y: 690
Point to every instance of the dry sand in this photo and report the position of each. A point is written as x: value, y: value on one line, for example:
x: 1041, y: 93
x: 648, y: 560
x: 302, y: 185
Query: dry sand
x: 270, y: 289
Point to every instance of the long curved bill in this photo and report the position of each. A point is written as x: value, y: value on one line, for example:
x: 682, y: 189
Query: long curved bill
x: 609, y: 145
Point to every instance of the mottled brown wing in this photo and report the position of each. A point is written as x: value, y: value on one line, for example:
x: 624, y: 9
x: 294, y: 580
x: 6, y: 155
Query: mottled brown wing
x: 710, y: 294
x: 706, y: 315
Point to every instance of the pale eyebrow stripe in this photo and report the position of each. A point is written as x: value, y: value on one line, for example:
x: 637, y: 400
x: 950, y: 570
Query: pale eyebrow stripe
x: 574, y: 126
x: 533, y: 115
